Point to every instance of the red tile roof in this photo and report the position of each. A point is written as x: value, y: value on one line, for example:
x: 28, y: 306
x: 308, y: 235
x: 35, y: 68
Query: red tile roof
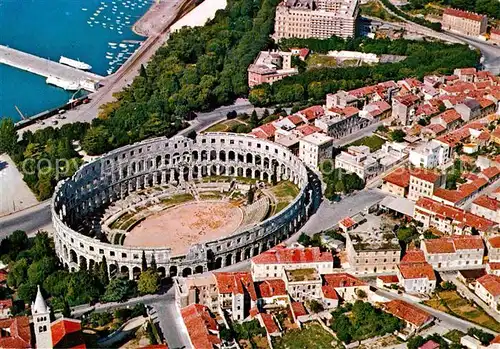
x: 463, y: 71
x: 495, y: 241
x: 453, y: 243
x: 235, y: 283
x: 491, y: 283
x: 494, y: 265
x: 269, y: 323
x: 425, y: 175
x: 407, y: 312
x: 450, y: 116
x: 272, y: 288
x: 399, y: 177
x: 454, y: 213
x: 285, y: 255
x: 67, y: 333
x: 295, y: 119
x: 430, y: 344
x: 298, y: 309
x: 436, y: 128
x: 487, y: 202
x: 417, y: 271
x: 347, y: 222
x: 306, y: 130
x: 329, y: 292
x: 413, y: 256
x: 3, y: 275
x: 200, y: 325
x: 388, y: 279
x: 5, y: 304
x: 491, y: 172
x: 340, y: 280
x: 313, y: 112
x: 18, y: 333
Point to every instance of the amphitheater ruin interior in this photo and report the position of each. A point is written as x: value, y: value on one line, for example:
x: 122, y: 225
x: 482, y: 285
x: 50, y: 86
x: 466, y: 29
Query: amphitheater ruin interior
x: 191, y: 205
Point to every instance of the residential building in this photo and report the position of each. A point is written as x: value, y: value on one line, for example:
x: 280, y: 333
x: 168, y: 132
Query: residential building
x: 5, y: 306
x: 493, y: 247
x: 269, y: 67
x: 16, y: 333
x: 430, y: 154
x: 415, y: 274
x: 316, y: 19
x: 454, y: 252
x: 404, y: 108
x: 488, y: 289
x: 449, y: 119
x: 460, y: 196
x: 372, y: 248
x: 345, y: 285
x: 414, y: 317
x: 464, y: 22
x: 273, y: 263
x: 486, y: 207
x: 236, y: 293
x: 271, y: 292
x: 423, y: 183
x: 201, y: 326
x: 469, y: 109
x: 397, y: 182
x: 341, y: 122
x: 493, y: 268
x: 387, y: 280
x: 315, y: 148
x: 197, y: 289
x: 361, y: 161
x: 448, y: 219
x: 495, y: 35
x: 67, y: 333
x: 303, y: 284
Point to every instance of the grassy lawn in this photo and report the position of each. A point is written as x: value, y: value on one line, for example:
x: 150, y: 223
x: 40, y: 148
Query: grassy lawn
x: 451, y: 303
x: 211, y: 195
x: 284, y: 193
x: 225, y: 125
x: 321, y: 61
x: 454, y: 335
x: 177, y: 199
x: 373, y: 142
x: 375, y: 9
x: 311, y: 336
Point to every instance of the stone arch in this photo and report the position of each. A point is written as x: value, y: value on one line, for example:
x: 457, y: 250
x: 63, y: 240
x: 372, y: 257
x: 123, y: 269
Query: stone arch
x: 231, y: 155
x: 158, y: 161
x: 258, y: 160
x: 172, y: 271
x: 167, y: 159
x: 255, y: 251
x: 83, y: 262
x: 186, y: 272
x: 237, y: 256
x: 65, y: 251
x: 239, y: 172
x: 241, y: 158
x: 218, y: 263
x: 213, y: 155
x: 266, y: 162
x: 73, y: 258
x: 198, y: 269
x: 249, y: 158
x: 136, y: 271
x: 230, y: 171
x: 229, y: 259
x: 248, y: 252
x: 124, y: 271
x: 222, y: 155
x: 113, y: 269
x: 92, y: 264
x: 204, y: 155
x: 248, y: 172
x: 161, y: 271
x: 194, y: 155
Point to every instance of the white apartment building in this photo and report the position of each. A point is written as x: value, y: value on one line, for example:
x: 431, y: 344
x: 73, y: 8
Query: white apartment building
x: 488, y: 289
x: 486, y: 207
x: 345, y: 285
x: 430, y: 155
x: 417, y: 278
x: 236, y: 293
x: 454, y: 252
x: 315, y: 148
x: 316, y: 19
x: 493, y: 246
x: 272, y: 263
x: 303, y: 284
x: 423, y: 183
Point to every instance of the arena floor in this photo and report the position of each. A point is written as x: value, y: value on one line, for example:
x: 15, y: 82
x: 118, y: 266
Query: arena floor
x: 181, y: 226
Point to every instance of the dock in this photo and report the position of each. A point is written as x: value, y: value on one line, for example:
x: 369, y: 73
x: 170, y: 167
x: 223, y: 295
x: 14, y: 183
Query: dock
x: 47, y: 68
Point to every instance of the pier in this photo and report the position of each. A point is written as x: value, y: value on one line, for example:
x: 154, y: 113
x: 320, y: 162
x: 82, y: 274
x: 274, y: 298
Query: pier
x: 47, y: 68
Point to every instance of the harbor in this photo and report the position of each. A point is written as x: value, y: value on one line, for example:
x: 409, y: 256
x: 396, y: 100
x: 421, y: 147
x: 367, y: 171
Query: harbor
x: 49, y: 69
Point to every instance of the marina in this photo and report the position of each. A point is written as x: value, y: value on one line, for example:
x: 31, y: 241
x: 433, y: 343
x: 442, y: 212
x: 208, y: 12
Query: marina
x: 49, y: 69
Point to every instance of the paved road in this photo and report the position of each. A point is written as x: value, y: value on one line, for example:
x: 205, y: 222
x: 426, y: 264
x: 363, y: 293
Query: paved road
x: 449, y: 320
x: 30, y: 220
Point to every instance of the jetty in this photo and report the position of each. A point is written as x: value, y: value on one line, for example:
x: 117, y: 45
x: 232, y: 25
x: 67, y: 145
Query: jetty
x: 47, y: 68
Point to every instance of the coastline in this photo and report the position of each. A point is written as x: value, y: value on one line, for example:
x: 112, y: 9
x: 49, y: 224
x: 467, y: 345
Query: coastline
x: 154, y: 20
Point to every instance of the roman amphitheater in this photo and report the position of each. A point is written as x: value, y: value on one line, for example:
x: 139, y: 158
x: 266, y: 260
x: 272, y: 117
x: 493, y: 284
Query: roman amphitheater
x: 189, y: 205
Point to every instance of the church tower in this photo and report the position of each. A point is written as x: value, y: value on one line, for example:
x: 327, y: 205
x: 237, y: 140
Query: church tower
x: 41, y: 322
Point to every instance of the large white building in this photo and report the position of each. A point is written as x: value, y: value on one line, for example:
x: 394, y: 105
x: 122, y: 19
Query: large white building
x: 273, y: 263
x: 430, y: 155
x: 315, y: 148
x: 488, y: 289
x: 454, y: 252
x: 415, y: 274
x: 316, y: 19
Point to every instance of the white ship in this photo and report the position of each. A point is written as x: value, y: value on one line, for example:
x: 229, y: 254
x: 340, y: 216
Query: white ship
x: 74, y: 64
x: 65, y: 84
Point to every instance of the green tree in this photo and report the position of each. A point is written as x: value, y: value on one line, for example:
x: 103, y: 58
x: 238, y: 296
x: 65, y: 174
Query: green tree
x: 153, y: 264
x: 144, y: 262
x: 8, y: 136
x: 149, y: 282
x: 18, y: 273
x: 26, y: 292
x: 39, y: 271
x: 119, y: 290
x: 103, y: 271
x: 315, y: 306
x: 398, y: 135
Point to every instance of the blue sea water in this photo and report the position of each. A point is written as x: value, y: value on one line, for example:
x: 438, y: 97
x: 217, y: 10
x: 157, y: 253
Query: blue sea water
x: 92, y: 31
